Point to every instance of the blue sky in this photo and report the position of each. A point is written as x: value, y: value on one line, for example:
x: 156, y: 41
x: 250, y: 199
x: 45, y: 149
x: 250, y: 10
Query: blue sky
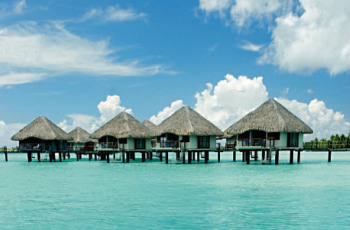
x: 82, y: 62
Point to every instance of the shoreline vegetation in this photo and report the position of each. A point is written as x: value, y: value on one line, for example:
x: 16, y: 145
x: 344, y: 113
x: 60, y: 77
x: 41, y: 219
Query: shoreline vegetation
x: 334, y: 142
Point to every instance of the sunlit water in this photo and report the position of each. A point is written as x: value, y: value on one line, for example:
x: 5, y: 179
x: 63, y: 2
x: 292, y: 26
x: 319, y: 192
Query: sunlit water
x: 152, y: 195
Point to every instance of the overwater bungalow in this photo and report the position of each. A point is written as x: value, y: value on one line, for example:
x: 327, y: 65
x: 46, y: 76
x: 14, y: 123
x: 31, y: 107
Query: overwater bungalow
x: 40, y: 136
x: 123, y: 133
x: 186, y: 130
x: 270, y: 126
x: 81, y: 140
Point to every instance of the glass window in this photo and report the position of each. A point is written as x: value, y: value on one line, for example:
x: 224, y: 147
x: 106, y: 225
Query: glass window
x: 140, y: 143
x: 203, y: 142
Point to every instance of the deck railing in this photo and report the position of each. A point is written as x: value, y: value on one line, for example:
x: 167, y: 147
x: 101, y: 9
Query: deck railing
x: 108, y: 145
x: 169, y: 144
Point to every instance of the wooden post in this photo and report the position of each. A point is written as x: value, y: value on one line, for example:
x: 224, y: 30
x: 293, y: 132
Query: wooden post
x: 263, y: 155
x: 248, y: 157
x: 151, y: 156
x: 143, y: 156
x: 219, y: 156
x: 166, y: 157
x: 39, y: 156
x: 64, y: 156
x: 256, y: 155
x: 77, y: 154
x: 90, y: 156
x: 161, y: 156
x: 177, y: 155
x: 5, y: 151
x: 243, y: 156
x: 277, y: 156
x: 50, y: 156
x: 291, y: 156
x: 29, y: 156
x: 183, y: 157
x: 113, y: 156
x: 206, y: 156
x: 68, y: 155
x: 60, y: 156
x: 189, y: 160
x: 298, y: 160
x: 127, y: 157
x: 95, y: 156
x: 123, y: 157
x: 329, y: 155
x: 198, y: 157
x: 234, y: 156
x: 107, y: 157
x: 194, y: 156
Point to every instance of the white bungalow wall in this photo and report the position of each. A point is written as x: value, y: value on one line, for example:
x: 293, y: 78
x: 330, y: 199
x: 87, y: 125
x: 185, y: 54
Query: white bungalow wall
x: 130, y: 145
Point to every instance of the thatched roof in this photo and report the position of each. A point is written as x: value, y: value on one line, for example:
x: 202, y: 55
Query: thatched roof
x: 122, y: 126
x: 149, y: 124
x: 271, y: 116
x: 80, y: 135
x: 41, y: 128
x: 187, y: 121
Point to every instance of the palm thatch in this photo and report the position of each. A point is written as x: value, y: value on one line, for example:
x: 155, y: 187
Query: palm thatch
x: 122, y: 126
x: 271, y: 116
x: 187, y: 121
x: 80, y: 135
x: 41, y: 128
x: 149, y: 124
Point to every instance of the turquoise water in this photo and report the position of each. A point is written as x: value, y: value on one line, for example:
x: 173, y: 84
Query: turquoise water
x: 152, y: 195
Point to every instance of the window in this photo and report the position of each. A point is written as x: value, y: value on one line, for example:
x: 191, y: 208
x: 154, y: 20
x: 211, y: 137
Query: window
x: 140, y: 143
x: 292, y: 139
x: 185, y: 138
x: 203, y: 142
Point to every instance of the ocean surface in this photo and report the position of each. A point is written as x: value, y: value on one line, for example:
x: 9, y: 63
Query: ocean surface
x: 66, y: 195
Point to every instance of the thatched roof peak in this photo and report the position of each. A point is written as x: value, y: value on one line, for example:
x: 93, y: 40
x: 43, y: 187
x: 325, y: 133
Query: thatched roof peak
x: 271, y: 116
x: 41, y: 128
x: 149, y: 124
x: 186, y: 121
x: 80, y: 135
x: 122, y: 126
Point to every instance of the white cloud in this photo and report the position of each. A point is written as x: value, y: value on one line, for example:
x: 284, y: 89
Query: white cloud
x: 309, y: 91
x: 214, y: 5
x: 285, y: 91
x: 19, y: 6
x: 7, y: 131
x: 108, y: 109
x: 251, y: 47
x: 324, y: 121
x: 230, y: 99
x: 114, y: 13
x: 166, y: 112
x: 315, y: 40
x: 31, y: 52
x: 245, y: 10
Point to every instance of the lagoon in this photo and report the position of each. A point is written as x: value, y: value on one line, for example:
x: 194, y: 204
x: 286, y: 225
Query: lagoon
x: 314, y: 194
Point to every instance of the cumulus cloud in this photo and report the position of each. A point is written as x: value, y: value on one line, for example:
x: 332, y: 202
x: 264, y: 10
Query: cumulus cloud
x: 113, y: 13
x: 324, y: 121
x: 214, y: 5
x: 108, y: 109
x: 31, y: 52
x: 166, y: 112
x: 19, y: 6
x: 7, y: 131
x: 314, y: 40
x: 230, y: 99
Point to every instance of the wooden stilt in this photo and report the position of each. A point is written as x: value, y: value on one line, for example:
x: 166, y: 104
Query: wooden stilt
x: 113, y: 156
x: 38, y: 154
x: 255, y: 155
x: 329, y: 155
x: 151, y: 156
x: 161, y: 156
x: 95, y: 156
x: 206, y: 156
x: 263, y: 155
x: 219, y: 156
x: 50, y: 156
x: 29, y: 156
x: 143, y: 156
x: 248, y: 157
x: 90, y: 156
x: 127, y: 157
x: 68, y: 155
x: 166, y: 157
x: 123, y: 157
x: 234, y: 156
x: 64, y: 156
x: 5, y: 151
x: 107, y: 157
x: 183, y: 158
x: 177, y: 155
x: 198, y: 157
x: 298, y: 159
x: 189, y: 160
x: 60, y: 156
x: 243, y: 156
x: 277, y: 156
x: 291, y: 157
